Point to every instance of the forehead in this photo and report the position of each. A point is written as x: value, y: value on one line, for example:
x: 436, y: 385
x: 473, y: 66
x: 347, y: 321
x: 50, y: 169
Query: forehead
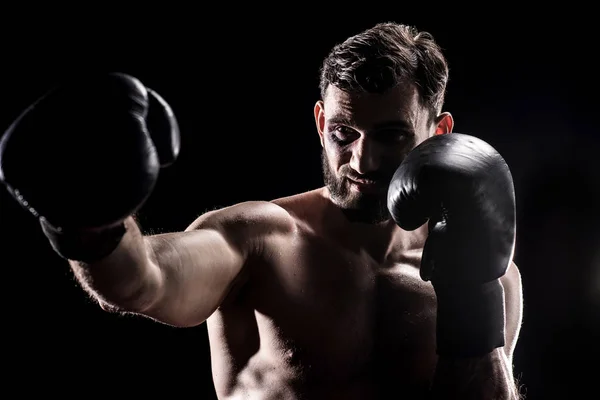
x: 399, y: 103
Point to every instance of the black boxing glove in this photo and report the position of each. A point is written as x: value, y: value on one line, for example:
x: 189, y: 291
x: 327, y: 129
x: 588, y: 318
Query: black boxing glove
x: 464, y: 188
x: 86, y: 156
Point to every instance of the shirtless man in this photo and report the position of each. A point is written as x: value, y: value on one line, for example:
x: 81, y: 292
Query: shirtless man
x: 394, y: 280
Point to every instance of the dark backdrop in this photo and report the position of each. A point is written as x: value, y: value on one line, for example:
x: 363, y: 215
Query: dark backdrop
x: 243, y: 89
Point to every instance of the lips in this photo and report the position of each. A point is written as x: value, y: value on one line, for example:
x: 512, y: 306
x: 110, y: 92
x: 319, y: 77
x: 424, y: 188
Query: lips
x: 363, y: 181
x: 364, y: 185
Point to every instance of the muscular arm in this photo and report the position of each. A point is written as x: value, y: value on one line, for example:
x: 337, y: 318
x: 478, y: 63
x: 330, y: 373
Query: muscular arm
x: 181, y: 278
x: 489, y: 376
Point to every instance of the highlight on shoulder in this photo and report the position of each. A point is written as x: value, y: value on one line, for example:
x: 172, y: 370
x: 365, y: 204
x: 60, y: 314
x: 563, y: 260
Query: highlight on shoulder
x: 250, y: 218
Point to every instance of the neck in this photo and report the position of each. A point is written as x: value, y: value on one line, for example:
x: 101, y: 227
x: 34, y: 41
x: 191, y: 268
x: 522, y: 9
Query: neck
x: 384, y: 241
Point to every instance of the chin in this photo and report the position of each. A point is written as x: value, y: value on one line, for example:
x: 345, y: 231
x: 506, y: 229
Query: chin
x: 365, y: 209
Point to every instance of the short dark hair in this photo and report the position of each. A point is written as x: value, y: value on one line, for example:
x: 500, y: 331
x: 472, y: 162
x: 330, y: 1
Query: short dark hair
x: 384, y: 56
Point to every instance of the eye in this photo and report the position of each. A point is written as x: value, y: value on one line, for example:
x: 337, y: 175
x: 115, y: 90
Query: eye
x: 393, y: 135
x: 342, y: 134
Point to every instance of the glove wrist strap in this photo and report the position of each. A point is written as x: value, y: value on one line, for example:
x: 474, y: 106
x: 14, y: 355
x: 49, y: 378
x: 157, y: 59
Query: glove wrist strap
x: 86, y: 246
x: 470, y: 319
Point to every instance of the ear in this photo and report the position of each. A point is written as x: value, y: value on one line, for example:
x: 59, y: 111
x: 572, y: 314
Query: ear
x: 444, y: 123
x: 319, y: 112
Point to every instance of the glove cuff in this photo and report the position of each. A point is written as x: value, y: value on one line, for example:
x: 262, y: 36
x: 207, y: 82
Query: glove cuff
x: 470, y: 319
x: 85, y: 246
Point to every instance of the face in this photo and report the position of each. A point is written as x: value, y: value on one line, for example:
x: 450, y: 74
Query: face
x: 365, y: 138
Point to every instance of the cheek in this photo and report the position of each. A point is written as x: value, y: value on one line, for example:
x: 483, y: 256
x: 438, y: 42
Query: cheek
x: 332, y: 149
x: 334, y: 156
x: 392, y: 159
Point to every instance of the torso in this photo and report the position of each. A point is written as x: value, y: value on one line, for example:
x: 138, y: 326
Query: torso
x: 320, y: 318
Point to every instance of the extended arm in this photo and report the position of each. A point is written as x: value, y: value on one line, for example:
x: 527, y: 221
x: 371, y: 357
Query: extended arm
x: 116, y: 133
x: 182, y: 278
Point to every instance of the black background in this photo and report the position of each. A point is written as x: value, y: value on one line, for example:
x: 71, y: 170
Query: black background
x: 243, y: 83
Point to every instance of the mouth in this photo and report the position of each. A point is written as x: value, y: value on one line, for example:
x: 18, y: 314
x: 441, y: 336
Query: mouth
x: 364, y: 186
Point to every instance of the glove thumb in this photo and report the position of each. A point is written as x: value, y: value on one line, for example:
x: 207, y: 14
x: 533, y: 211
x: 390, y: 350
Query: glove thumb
x: 437, y: 230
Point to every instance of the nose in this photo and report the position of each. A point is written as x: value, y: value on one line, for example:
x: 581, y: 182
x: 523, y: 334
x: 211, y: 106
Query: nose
x: 366, y: 156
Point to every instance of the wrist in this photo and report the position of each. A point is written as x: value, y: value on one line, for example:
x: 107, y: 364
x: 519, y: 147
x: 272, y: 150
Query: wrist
x: 470, y: 319
x: 87, y: 245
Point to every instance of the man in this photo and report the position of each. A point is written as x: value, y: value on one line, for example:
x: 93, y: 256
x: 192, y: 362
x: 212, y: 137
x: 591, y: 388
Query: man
x: 394, y: 280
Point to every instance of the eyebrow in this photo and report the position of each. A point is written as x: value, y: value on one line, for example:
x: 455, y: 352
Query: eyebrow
x: 396, y: 123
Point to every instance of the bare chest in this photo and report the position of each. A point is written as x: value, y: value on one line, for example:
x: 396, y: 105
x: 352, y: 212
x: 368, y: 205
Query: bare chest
x: 330, y: 312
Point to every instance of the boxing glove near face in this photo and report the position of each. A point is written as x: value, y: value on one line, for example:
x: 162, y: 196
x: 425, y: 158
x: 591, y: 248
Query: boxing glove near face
x: 463, y: 188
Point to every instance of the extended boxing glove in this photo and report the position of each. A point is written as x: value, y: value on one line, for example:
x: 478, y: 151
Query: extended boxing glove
x: 463, y: 188
x: 87, y: 155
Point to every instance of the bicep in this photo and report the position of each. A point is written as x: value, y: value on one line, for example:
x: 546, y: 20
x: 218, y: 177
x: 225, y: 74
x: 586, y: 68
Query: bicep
x: 513, y: 297
x: 197, y: 269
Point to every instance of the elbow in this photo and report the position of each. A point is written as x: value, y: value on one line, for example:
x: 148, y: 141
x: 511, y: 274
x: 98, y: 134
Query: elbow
x: 136, y: 304
x: 140, y: 300
x: 110, y: 308
x: 148, y: 304
x: 138, y: 297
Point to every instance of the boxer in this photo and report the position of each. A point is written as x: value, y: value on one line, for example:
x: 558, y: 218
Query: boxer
x: 395, y: 279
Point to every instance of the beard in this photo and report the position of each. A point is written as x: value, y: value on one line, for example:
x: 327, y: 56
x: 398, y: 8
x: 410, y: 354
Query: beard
x: 368, y: 208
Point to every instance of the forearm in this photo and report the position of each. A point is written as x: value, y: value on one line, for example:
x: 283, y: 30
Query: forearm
x: 125, y: 279
x: 485, y: 377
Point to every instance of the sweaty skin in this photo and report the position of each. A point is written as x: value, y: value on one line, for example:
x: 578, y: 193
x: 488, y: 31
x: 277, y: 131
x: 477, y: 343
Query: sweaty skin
x: 332, y: 309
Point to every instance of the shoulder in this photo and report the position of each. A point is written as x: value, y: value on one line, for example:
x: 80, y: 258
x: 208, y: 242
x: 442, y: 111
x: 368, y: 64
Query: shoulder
x: 278, y: 212
x: 304, y: 206
x: 251, y: 223
x: 250, y: 217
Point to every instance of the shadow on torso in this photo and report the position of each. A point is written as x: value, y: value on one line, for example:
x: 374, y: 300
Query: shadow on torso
x: 317, y: 319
